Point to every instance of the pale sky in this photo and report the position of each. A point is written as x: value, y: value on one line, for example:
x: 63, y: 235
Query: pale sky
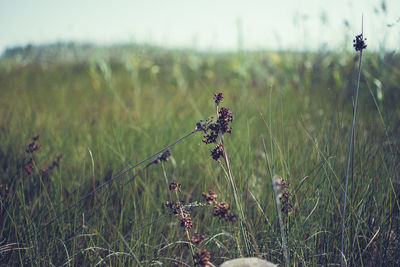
x: 206, y: 24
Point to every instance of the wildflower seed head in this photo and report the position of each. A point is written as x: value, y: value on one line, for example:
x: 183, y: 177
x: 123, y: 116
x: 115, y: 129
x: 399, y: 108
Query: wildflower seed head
x: 197, y: 238
x: 218, y: 98
x: 162, y: 157
x: 186, y: 220
x: 222, y: 210
x: 211, y: 197
x: 282, y: 192
x: 212, y: 136
x: 175, y: 207
x: 32, y: 147
x: 203, y: 125
x: 174, y: 186
x: 280, y: 186
x: 224, y: 118
x: 217, y: 152
x: 202, y: 258
x: 56, y: 163
x: 287, y: 209
x: 359, y: 42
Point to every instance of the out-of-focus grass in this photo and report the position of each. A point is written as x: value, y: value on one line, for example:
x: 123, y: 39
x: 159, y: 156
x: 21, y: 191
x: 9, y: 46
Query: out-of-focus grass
x: 122, y: 110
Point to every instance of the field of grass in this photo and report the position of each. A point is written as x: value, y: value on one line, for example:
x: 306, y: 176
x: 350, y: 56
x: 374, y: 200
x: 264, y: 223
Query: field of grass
x: 105, y: 114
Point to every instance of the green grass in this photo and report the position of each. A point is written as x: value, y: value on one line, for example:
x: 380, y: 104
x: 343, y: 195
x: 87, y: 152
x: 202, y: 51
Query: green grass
x: 104, y: 114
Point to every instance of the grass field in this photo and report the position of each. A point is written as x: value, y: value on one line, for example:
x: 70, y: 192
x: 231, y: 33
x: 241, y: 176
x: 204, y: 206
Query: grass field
x: 104, y: 114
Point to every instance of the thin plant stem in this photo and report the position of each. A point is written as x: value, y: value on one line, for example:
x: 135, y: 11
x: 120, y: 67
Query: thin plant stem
x: 278, y: 209
x: 235, y: 196
x: 342, y: 247
x: 233, y: 187
x: 281, y: 225
x: 114, y: 178
x: 186, y: 230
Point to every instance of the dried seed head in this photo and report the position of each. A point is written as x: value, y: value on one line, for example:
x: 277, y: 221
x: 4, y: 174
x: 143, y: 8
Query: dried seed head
x: 163, y: 157
x: 204, y: 125
x: 32, y: 147
x: 213, y: 129
x: 224, y: 118
x: 280, y: 186
x: 282, y: 193
x: 218, y: 98
x: 222, y: 209
x: 197, y: 238
x: 56, y: 163
x: 186, y: 220
x: 287, y: 209
x: 211, y: 197
x: 203, y: 258
x: 174, y: 186
x: 217, y: 152
x: 212, y: 136
x: 175, y: 207
x: 359, y: 42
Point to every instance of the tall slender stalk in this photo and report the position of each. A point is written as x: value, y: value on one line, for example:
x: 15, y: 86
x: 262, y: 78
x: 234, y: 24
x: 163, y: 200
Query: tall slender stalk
x: 359, y: 45
x: 233, y: 187
x: 235, y: 195
x: 274, y: 179
x: 122, y: 172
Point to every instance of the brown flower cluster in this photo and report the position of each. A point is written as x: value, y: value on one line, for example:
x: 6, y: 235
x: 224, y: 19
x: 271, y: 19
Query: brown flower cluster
x: 29, y: 166
x: 56, y: 163
x: 284, y: 198
x: 204, y: 125
x: 287, y: 208
x: 197, y: 238
x: 163, y: 157
x: 33, y: 146
x: 174, y: 186
x: 30, y: 149
x: 210, y: 197
x: 202, y: 258
x: 218, y: 98
x: 175, y: 207
x: 212, y: 129
x: 217, y: 152
x: 186, y: 220
x: 224, y: 118
x: 221, y: 209
x: 212, y: 135
x: 178, y: 208
x: 359, y: 42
